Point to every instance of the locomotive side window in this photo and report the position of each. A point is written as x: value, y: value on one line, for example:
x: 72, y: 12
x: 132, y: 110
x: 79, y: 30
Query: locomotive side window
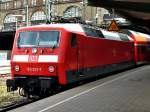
x: 124, y: 37
x: 111, y: 35
x: 100, y: 34
x: 91, y: 32
x: 39, y: 39
x: 73, y: 40
x: 88, y: 32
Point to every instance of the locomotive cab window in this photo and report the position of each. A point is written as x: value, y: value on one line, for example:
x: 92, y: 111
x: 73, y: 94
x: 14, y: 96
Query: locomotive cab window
x: 73, y: 40
x: 39, y: 39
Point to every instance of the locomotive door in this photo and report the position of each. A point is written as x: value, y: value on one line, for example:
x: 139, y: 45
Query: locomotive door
x: 76, y: 43
x: 77, y: 52
x: 80, y: 64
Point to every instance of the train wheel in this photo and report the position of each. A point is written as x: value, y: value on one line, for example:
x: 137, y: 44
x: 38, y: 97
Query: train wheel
x: 23, y: 93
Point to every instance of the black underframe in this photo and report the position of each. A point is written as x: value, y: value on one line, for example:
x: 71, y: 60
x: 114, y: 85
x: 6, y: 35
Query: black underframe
x: 77, y: 75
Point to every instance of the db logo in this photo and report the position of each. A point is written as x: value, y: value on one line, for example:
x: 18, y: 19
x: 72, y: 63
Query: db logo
x: 33, y: 58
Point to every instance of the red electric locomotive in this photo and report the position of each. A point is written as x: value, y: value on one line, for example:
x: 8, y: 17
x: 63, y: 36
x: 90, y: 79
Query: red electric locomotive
x: 45, y: 56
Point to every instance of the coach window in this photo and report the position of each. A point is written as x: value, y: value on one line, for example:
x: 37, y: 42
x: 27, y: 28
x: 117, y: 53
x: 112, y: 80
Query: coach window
x: 148, y: 48
x: 73, y: 40
x: 143, y: 49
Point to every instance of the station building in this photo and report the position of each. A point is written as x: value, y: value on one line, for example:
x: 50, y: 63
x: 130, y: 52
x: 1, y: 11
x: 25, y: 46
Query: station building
x: 19, y: 13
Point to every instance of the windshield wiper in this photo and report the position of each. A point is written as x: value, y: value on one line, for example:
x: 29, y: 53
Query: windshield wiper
x: 27, y: 45
x: 54, y: 46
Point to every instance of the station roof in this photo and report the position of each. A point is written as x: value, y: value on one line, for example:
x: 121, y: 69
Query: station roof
x: 137, y: 11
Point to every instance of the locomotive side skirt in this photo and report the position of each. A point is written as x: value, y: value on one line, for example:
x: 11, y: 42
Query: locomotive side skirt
x: 78, y: 75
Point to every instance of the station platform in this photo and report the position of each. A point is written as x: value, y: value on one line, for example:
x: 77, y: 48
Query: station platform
x: 128, y: 91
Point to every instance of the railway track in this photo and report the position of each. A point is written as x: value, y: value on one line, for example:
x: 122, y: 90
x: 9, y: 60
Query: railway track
x: 25, y: 101
x: 17, y: 104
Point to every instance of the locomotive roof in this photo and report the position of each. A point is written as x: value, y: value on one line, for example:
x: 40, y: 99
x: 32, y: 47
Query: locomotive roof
x: 116, y: 36
x: 86, y: 30
x: 77, y: 28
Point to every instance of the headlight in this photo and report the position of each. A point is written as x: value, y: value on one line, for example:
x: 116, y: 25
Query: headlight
x: 51, y: 69
x: 17, y: 68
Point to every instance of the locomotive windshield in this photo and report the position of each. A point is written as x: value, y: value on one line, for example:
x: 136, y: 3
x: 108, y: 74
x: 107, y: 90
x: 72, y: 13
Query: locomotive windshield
x: 38, y: 39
